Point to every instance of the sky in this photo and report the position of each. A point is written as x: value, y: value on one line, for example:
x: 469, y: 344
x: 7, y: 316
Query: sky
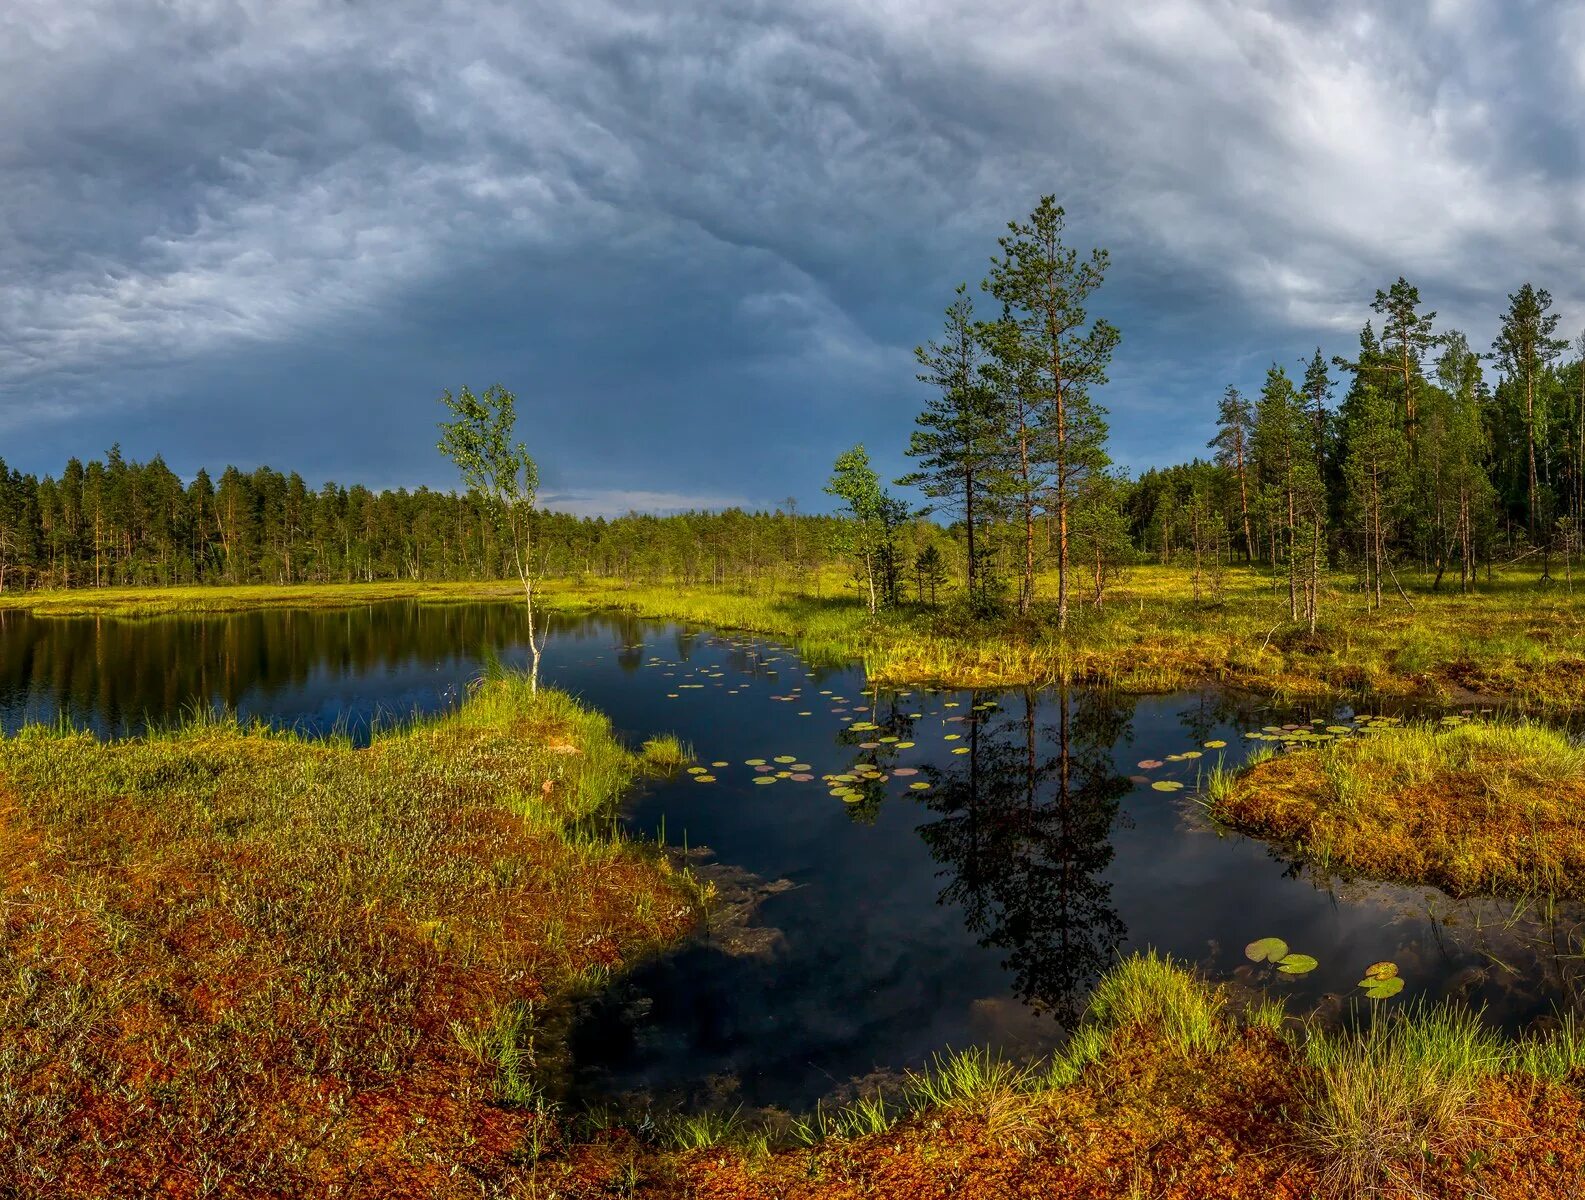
x: 699, y: 239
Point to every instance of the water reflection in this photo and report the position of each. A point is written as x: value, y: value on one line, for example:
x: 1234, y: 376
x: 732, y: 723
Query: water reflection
x: 1025, y: 836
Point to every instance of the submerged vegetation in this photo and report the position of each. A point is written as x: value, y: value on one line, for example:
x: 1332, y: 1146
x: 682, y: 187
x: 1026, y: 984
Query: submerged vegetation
x: 1469, y: 806
x: 234, y: 962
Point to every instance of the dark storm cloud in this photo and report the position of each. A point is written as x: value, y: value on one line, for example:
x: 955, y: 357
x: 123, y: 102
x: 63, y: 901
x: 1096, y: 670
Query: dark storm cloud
x: 700, y: 239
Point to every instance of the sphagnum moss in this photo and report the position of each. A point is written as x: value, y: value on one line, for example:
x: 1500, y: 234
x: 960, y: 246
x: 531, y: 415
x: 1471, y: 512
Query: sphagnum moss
x: 265, y: 965
x: 1469, y: 807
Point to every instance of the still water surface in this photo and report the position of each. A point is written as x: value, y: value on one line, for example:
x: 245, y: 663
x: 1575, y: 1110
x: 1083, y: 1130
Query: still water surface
x: 975, y: 910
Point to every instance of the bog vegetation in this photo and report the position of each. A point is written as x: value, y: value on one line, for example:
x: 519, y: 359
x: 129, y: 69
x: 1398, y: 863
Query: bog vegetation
x: 234, y: 962
x: 1466, y: 805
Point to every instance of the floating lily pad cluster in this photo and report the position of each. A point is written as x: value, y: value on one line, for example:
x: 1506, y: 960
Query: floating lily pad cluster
x: 1381, y: 981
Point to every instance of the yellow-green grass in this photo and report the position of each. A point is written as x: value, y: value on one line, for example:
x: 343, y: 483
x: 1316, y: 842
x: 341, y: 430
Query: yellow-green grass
x: 1469, y: 807
x: 1172, y: 1089
x: 1513, y: 642
x: 235, y: 962
x: 170, y: 601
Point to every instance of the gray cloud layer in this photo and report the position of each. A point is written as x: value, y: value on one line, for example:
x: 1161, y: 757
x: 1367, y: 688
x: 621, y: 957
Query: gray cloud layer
x: 700, y: 238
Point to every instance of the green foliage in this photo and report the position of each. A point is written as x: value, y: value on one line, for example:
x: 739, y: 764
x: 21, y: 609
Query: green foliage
x: 870, y: 536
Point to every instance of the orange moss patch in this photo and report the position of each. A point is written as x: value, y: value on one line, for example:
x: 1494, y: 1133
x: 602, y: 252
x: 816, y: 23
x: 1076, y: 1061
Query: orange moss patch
x: 238, y: 964
x: 1143, y: 1121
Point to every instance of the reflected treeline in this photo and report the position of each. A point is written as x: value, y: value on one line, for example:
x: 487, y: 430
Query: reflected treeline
x: 117, y: 675
x: 1025, y: 832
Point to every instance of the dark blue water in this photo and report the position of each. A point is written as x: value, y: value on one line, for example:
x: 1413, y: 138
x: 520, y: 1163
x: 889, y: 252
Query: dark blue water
x: 892, y: 922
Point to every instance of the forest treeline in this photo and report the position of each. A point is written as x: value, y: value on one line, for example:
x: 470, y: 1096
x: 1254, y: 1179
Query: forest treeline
x: 115, y: 522
x: 1420, y: 467
x: 1399, y: 460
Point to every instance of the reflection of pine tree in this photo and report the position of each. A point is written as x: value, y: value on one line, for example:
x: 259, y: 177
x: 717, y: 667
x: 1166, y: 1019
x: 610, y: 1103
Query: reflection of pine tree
x: 1025, y: 833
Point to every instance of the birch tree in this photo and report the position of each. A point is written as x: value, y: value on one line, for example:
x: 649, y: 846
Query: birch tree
x: 502, y: 477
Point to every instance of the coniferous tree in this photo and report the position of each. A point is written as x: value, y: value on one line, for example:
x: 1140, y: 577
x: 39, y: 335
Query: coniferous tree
x: 1044, y: 286
x: 958, y: 442
x: 1235, y: 422
x: 1524, y: 347
x: 1374, y: 463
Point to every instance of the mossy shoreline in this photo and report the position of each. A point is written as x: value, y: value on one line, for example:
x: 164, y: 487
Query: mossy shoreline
x: 237, y: 962
x: 1465, y: 806
x: 1172, y: 1088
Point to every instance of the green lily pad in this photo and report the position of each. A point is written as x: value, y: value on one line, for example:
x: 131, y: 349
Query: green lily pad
x: 1267, y: 949
x: 1215, y: 744
x: 1383, y: 989
x: 1167, y: 785
x: 1296, y: 964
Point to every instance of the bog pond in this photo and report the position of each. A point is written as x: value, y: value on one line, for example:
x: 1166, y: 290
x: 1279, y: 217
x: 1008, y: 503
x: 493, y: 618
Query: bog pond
x: 987, y: 853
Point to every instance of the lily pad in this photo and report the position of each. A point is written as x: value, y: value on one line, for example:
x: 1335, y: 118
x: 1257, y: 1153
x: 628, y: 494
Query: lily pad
x: 1149, y: 764
x: 1296, y: 964
x: 1215, y: 744
x: 1381, y: 970
x: 1167, y: 785
x: 1383, y: 989
x: 1266, y: 949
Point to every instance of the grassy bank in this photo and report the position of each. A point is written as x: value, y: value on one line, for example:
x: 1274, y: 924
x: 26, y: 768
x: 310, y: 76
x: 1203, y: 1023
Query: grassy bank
x: 1513, y: 643
x: 238, y: 963
x: 1174, y: 1091
x: 173, y: 601
x: 1467, y: 807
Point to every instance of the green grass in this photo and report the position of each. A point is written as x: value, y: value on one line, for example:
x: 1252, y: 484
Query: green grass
x: 1158, y: 994
x: 1471, y: 807
x: 1403, y: 1088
